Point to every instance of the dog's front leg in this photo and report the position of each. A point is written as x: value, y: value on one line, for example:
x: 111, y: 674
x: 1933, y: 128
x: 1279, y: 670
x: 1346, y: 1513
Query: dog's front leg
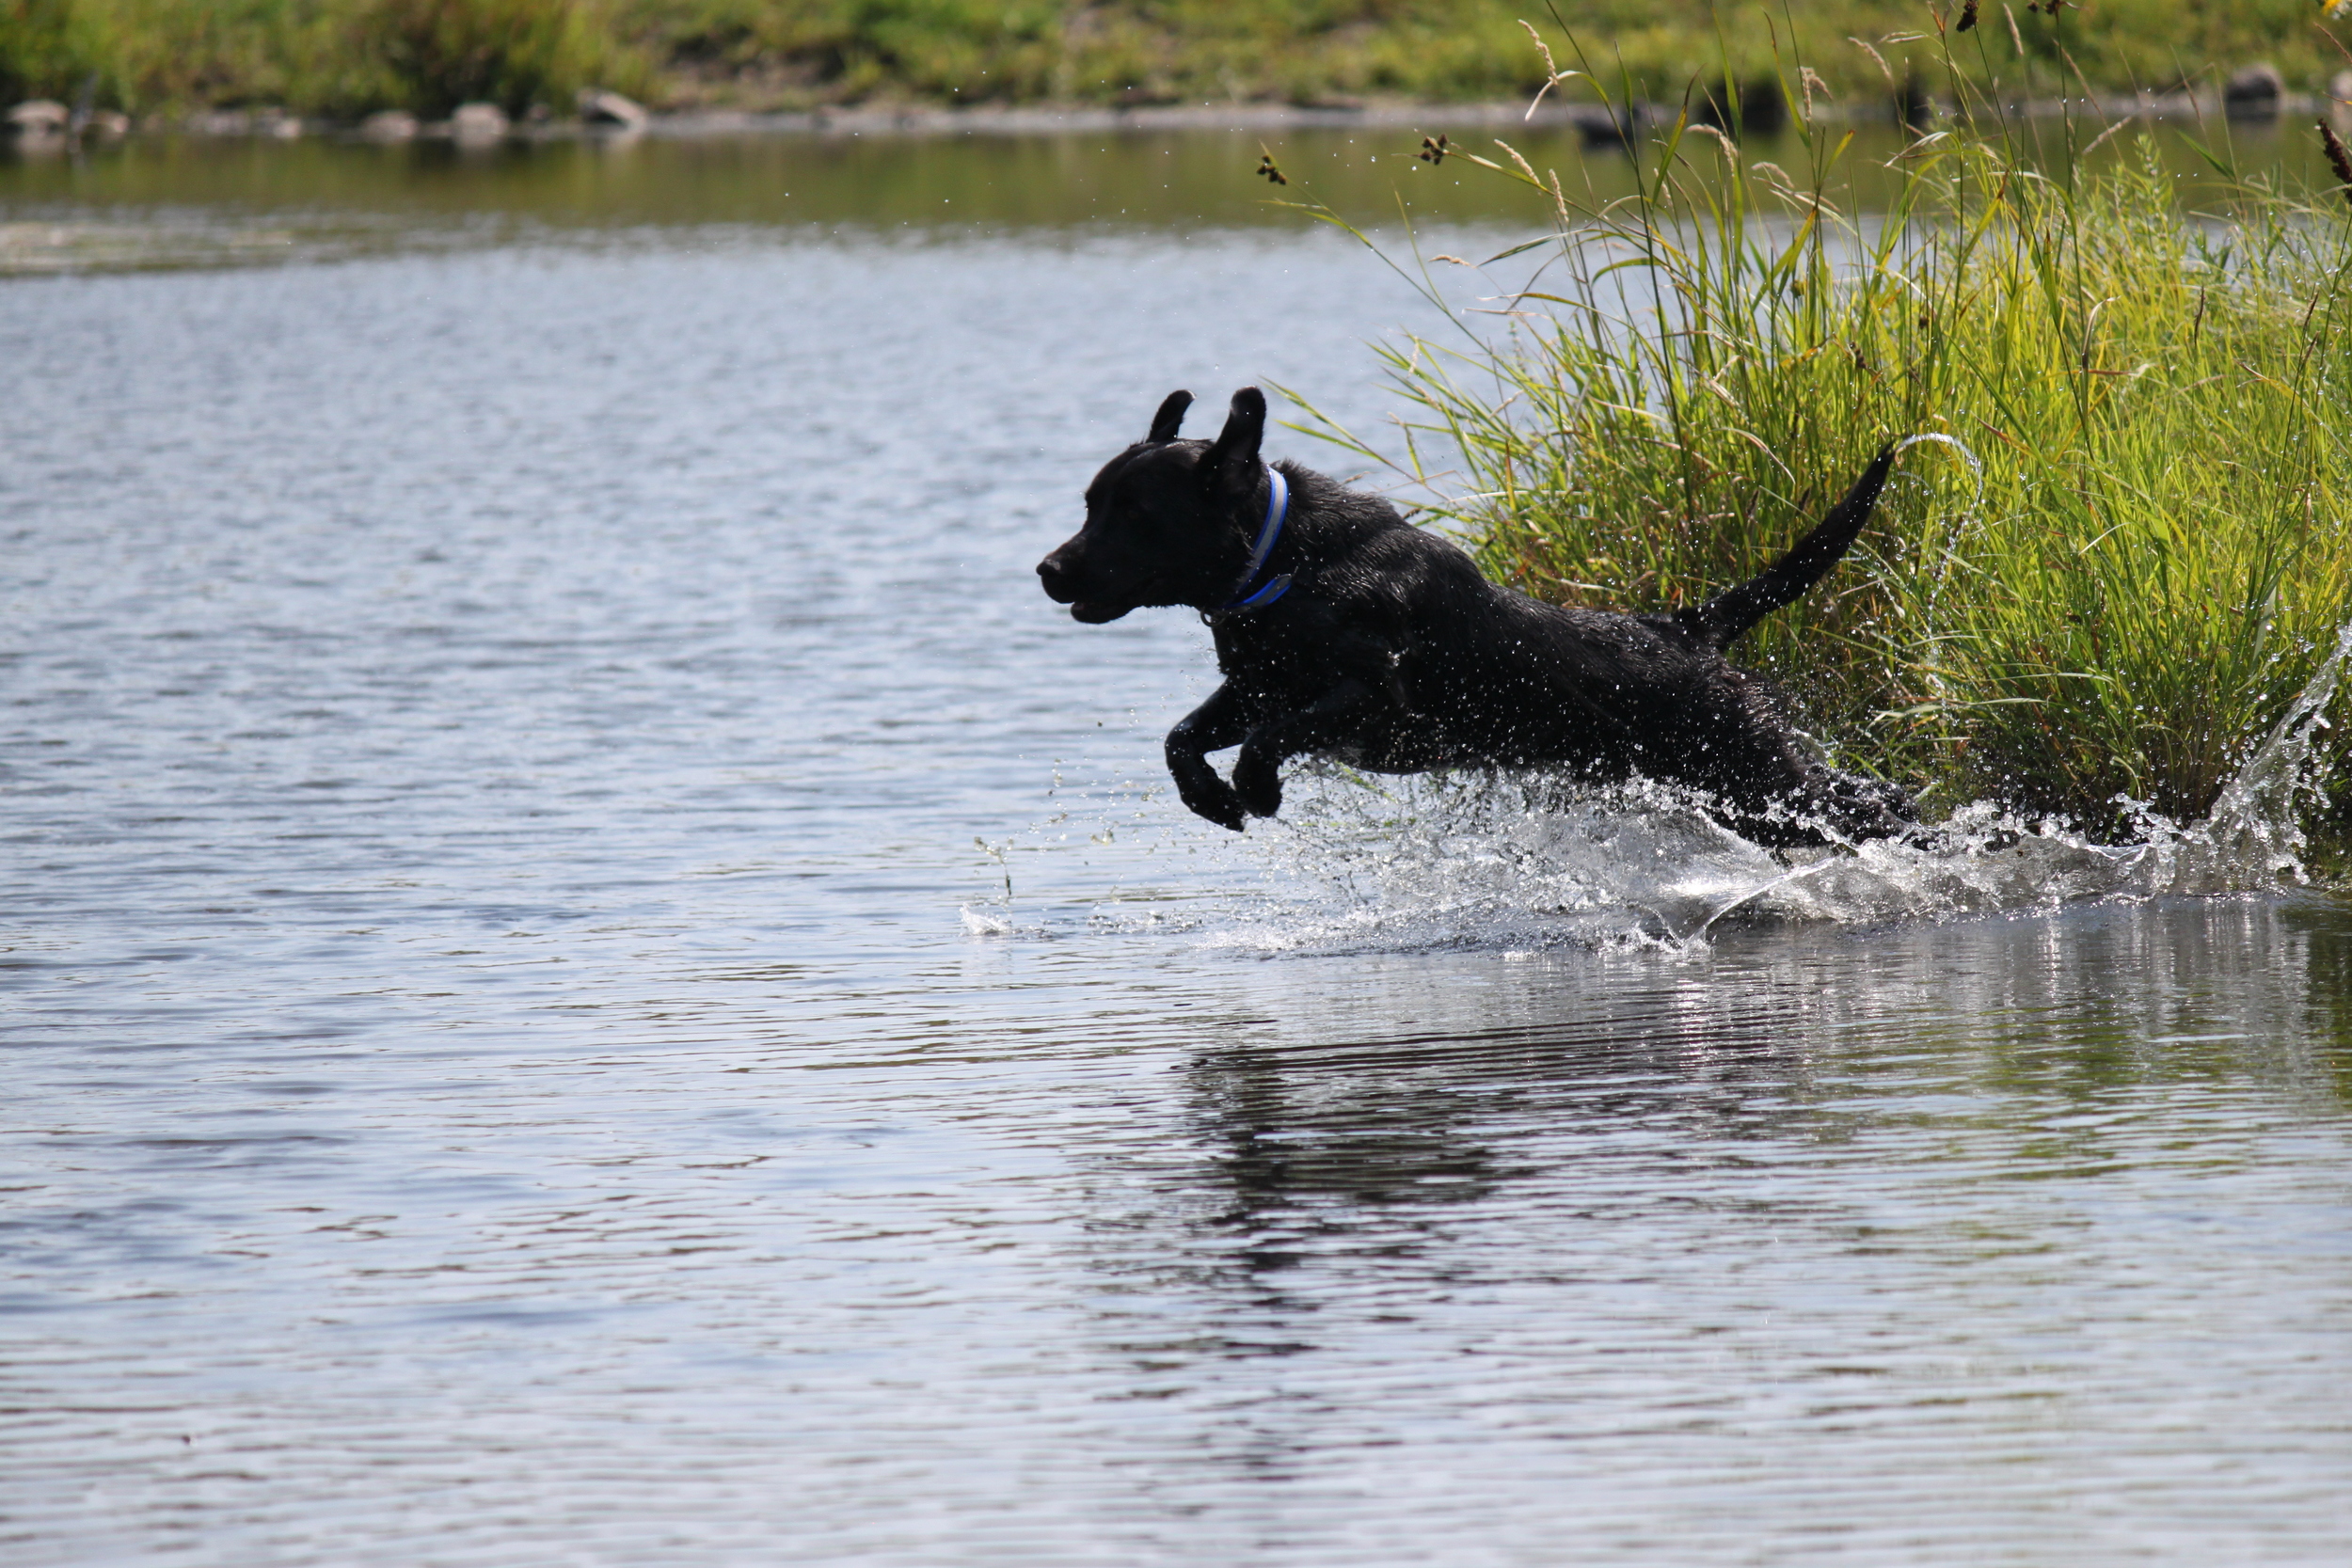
x: 1336, y: 716
x: 1212, y: 727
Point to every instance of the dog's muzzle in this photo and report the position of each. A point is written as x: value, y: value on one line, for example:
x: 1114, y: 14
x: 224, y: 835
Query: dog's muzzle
x: 1062, y: 587
x: 1055, y: 574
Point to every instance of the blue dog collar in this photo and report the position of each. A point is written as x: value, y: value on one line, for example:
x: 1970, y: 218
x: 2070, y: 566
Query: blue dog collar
x: 1278, y: 508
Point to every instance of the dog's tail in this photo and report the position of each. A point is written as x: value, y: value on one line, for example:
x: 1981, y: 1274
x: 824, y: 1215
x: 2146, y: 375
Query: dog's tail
x: 1721, y: 620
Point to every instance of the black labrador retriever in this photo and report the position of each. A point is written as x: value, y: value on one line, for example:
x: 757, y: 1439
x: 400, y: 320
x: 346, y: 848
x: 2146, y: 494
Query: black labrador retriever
x: 1341, y: 628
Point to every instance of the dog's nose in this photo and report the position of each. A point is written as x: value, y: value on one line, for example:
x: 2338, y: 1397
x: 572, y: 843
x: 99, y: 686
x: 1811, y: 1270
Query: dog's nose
x: 1055, y: 574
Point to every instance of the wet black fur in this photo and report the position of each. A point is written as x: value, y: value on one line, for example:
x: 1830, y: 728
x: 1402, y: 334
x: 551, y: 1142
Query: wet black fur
x: 1392, y: 652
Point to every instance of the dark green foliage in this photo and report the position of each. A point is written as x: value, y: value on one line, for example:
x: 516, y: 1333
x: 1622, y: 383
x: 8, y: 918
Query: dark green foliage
x: 38, y: 53
x: 439, y: 53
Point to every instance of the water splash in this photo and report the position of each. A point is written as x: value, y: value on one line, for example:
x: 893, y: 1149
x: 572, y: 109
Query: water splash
x: 982, y: 920
x: 1516, y: 859
x: 2253, y: 836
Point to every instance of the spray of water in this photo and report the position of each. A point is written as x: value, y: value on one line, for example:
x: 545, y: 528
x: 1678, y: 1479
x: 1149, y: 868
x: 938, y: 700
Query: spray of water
x: 1515, y: 859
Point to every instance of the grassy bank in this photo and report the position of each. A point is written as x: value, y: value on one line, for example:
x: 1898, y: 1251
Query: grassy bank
x: 341, y: 58
x: 2111, y: 598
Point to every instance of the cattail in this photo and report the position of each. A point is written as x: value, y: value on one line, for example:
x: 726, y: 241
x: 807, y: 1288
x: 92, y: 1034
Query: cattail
x: 1967, y: 17
x: 2338, y: 159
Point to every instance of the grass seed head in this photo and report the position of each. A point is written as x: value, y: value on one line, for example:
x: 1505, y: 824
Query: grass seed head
x: 2338, y: 159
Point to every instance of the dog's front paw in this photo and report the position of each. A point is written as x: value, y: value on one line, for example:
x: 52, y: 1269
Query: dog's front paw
x: 1258, y: 784
x: 1216, y: 802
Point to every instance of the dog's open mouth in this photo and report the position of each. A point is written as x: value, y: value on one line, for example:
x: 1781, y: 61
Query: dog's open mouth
x: 1095, y: 611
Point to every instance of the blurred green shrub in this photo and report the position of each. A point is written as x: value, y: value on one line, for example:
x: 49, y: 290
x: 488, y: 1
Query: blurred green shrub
x: 40, y: 57
x: 439, y: 53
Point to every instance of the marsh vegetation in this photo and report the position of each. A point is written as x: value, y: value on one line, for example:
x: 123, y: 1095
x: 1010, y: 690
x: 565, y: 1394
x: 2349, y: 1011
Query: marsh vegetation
x: 2120, y: 553
x: 348, y: 57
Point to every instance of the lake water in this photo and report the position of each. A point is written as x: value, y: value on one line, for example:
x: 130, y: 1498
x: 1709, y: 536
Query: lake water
x: 590, y: 974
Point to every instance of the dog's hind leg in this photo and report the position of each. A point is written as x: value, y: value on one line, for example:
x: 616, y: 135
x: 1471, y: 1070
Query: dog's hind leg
x: 1334, y: 718
x: 1829, y: 807
x: 1861, y: 808
x: 1212, y: 727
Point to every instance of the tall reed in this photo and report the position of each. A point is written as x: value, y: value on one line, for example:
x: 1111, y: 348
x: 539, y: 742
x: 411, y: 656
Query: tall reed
x: 2107, y: 597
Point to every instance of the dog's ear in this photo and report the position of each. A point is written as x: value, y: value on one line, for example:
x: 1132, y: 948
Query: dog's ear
x: 1231, y: 461
x: 1171, y: 419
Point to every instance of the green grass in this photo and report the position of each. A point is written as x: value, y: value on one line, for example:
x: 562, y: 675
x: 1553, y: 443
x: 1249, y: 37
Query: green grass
x: 346, y: 56
x: 2158, y: 557
x: 337, y: 58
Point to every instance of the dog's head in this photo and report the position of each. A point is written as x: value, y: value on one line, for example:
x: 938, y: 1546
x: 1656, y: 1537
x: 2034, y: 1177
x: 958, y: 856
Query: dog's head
x: 1168, y: 522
